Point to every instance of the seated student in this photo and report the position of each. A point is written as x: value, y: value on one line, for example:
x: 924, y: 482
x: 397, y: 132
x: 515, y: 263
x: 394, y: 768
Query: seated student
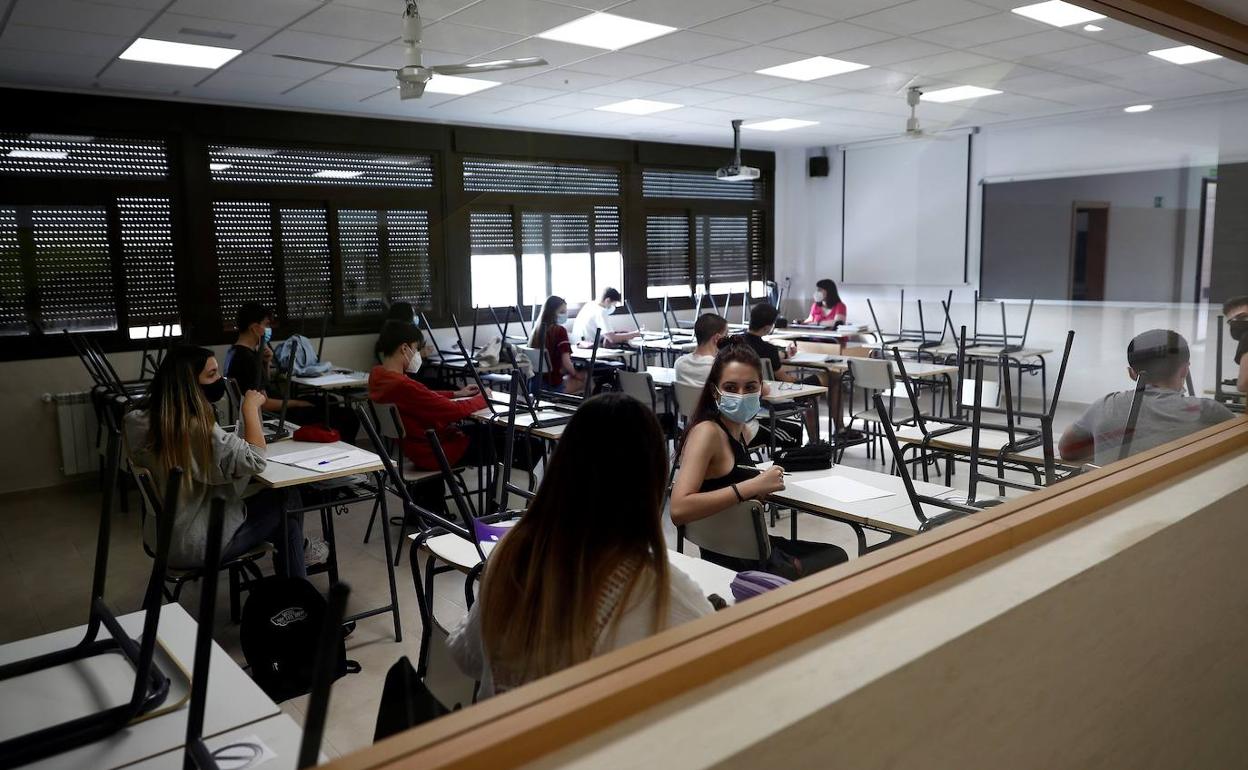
x: 827, y: 309
x: 593, y: 317
x: 562, y: 374
x: 715, y: 472
x: 248, y: 362
x: 1161, y: 358
x: 1236, y: 312
x: 562, y: 586
x: 178, y: 430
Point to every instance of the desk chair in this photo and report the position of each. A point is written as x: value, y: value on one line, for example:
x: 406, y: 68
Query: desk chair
x: 873, y: 376
x: 778, y: 413
x: 1231, y: 399
x: 1128, y: 434
x: 739, y: 532
x: 151, y: 685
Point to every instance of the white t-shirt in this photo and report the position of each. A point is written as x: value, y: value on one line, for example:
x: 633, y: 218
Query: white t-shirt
x: 1165, y: 415
x: 589, y: 319
x: 693, y: 369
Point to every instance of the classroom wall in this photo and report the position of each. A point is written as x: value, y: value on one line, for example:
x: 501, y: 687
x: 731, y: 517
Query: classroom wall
x: 1116, y: 642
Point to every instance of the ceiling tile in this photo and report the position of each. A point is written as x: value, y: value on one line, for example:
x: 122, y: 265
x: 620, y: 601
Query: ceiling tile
x: 151, y: 5
x: 830, y: 38
x: 377, y: 81
x: 684, y: 13
x: 1225, y: 69
x: 1127, y: 64
x: 1095, y: 95
x: 526, y: 17
x: 23, y: 38
x: 689, y: 75
x: 1015, y: 104
x: 751, y: 59
x: 589, y: 5
x: 990, y: 75
x: 1173, y: 81
x: 69, y: 66
x: 1145, y: 42
x: 702, y: 116
x: 81, y: 17
x: 889, y: 105
x: 558, y: 54
x: 620, y: 65
x: 268, y: 65
x: 522, y: 94
x: 169, y: 26
x: 1079, y: 57
x: 330, y: 91
x: 873, y: 79
x: 762, y: 23
x: 690, y: 96
x: 581, y: 101
x: 357, y: 23
x: 1031, y: 45
x: 143, y: 73
x: 249, y: 83
x: 942, y: 62
x: 987, y: 29
x: 892, y: 51
x: 393, y: 56
x: 920, y: 15
x: 630, y: 89
x: 684, y: 46
x: 316, y: 46
x: 271, y: 13
x: 537, y: 112
x: 874, y: 121
x: 750, y: 107
x: 745, y: 84
x: 563, y: 80
x: 800, y: 92
x: 477, y: 105
x: 430, y: 10
x: 836, y: 9
x: 468, y: 41
x: 1047, y: 85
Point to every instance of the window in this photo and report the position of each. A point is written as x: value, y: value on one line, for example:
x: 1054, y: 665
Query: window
x: 385, y: 258
x: 668, y: 271
x: 680, y: 183
x: 148, y: 261
x: 244, y: 246
x: 63, y: 155
x: 304, y: 242
x: 729, y: 250
x: 493, y: 259
x: 319, y: 167
x: 513, y: 176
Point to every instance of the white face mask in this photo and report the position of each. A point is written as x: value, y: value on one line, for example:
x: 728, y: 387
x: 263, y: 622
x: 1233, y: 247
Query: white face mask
x: 608, y: 309
x: 413, y: 364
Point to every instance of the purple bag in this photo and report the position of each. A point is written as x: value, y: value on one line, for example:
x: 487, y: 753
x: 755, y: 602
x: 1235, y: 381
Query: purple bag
x: 752, y: 583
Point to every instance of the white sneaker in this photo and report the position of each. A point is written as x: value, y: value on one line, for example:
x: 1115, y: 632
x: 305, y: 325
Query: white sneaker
x: 315, y: 551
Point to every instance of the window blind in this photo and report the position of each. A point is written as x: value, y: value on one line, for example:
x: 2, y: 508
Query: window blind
x: 723, y: 249
x: 147, y: 261
x: 278, y: 165
x: 667, y: 251
x: 606, y: 228
x: 498, y: 175
x: 73, y: 268
x: 359, y: 242
x: 243, y: 231
x: 490, y: 232
x: 306, y: 261
x: 12, y: 282
x: 681, y: 183
x: 411, y: 270
x: 90, y: 156
x: 569, y: 233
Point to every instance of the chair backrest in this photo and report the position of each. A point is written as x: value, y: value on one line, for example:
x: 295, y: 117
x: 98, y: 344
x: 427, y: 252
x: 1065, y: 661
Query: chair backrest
x: 769, y: 371
x: 739, y: 532
x: 1128, y: 433
x: 687, y: 399
x: 541, y: 361
x: 917, y: 501
x: 872, y: 374
x: 152, y: 507
x: 389, y: 422
x: 233, y: 403
x: 639, y: 385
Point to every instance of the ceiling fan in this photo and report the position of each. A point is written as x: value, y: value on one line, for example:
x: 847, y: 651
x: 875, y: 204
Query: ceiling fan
x: 913, y: 130
x: 413, y: 75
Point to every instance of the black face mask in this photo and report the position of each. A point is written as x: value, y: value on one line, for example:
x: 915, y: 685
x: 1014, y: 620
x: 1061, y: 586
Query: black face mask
x: 213, y: 391
x: 1239, y: 328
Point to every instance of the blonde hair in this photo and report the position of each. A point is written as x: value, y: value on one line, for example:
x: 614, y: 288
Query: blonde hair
x: 180, y: 417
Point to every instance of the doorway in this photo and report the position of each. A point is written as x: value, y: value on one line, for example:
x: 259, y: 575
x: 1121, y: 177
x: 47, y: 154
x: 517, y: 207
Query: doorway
x: 1089, y: 246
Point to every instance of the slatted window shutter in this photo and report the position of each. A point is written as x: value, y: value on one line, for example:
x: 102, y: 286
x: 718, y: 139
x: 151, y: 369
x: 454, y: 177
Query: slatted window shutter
x: 723, y: 250
x: 73, y: 269
x: 490, y: 232
x: 697, y: 184
x: 359, y: 242
x: 667, y: 255
x: 306, y: 264
x: 606, y: 228
x: 147, y: 261
x: 341, y: 168
x: 411, y: 269
x: 13, y: 318
x: 758, y: 253
x: 244, y: 248
x: 514, y: 176
x: 62, y: 155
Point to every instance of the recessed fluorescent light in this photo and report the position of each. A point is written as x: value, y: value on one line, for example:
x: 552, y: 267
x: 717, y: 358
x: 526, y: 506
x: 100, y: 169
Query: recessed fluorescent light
x: 606, y: 30
x: 812, y: 69
x: 638, y: 107
x: 450, y: 84
x: 780, y: 124
x: 1138, y: 108
x: 957, y: 94
x: 218, y: 166
x: 1058, y: 14
x: 180, y: 54
x: 66, y: 138
x: 41, y: 154
x: 1185, y: 54
x: 332, y: 173
x: 1092, y: 28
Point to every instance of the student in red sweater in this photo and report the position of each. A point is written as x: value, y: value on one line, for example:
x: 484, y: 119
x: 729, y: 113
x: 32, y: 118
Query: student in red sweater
x: 562, y: 374
x: 421, y: 408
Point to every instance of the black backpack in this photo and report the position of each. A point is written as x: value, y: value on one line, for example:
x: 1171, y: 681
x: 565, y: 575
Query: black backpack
x: 282, y: 621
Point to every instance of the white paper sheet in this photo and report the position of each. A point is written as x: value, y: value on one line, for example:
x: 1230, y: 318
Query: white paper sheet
x: 331, y: 379
x: 806, y: 358
x: 842, y: 489
x: 340, y: 461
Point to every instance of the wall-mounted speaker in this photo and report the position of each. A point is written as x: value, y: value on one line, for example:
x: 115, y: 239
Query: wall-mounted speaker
x: 819, y: 165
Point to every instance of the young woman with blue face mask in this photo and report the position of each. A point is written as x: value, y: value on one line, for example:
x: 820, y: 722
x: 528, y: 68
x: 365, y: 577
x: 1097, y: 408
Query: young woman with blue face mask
x: 716, y: 470
x: 562, y: 374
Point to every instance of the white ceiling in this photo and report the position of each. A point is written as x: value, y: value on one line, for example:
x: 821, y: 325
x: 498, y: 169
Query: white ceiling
x: 708, y: 66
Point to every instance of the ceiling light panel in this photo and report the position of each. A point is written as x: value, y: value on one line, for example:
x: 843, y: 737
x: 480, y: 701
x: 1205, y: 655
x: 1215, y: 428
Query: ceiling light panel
x: 639, y: 107
x: 606, y: 30
x: 450, y: 84
x: 1058, y: 13
x: 1184, y: 54
x: 178, y: 54
x: 814, y: 68
x: 957, y: 94
x: 1138, y: 108
x: 780, y: 124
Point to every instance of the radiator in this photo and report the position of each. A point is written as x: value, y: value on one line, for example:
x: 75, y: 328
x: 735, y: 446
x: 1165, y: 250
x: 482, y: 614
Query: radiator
x: 75, y: 417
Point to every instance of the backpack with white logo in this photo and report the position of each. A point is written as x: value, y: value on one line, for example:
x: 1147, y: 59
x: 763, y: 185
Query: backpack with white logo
x: 281, y: 622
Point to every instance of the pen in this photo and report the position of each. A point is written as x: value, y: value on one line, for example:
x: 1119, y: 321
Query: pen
x: 329, y: 460
x: 760, y: 470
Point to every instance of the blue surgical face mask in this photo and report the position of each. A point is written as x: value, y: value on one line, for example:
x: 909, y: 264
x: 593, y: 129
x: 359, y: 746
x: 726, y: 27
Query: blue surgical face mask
x: 561, y: 319
x: 740, y: 407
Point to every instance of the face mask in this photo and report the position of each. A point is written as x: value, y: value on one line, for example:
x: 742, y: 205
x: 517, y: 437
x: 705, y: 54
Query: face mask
x: 268, y: 335
x: 561, y: 319
x: 608, y: 310
x: 213, y: 391
x: 413, y: 364
x: 740, y: 407
x: 1239, y: 328
x: 820, y: 295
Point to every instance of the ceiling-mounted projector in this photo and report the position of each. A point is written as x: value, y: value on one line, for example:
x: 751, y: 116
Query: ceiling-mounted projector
x: 737, y: 172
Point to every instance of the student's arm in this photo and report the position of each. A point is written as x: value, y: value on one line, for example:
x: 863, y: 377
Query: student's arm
x: 466, y: 646
x: 1241, y: 382
x: 837, y: 317
x: 566, y: 364
x: 688, y: 504
x: 253, y: 430
x: 433, y: 408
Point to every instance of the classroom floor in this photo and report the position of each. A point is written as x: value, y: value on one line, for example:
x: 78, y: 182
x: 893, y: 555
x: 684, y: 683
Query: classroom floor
x: 47, y: 549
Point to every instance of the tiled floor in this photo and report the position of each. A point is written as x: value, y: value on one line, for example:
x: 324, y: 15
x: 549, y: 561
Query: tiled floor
x: 47, y: 545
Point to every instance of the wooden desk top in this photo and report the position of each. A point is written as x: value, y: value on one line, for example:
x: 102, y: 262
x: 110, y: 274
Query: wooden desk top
x: 277, y: 476
x: 523, y: 420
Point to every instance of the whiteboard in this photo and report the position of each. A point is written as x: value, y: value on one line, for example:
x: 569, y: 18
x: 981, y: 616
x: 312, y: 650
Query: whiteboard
x: 905, y: 212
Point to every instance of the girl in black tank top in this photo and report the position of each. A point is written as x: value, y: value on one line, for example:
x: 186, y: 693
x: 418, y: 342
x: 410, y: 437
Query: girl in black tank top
x: 738, y: 474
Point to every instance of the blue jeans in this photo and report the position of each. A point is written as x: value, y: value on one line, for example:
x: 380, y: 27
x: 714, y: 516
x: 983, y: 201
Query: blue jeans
x: 265, y: 511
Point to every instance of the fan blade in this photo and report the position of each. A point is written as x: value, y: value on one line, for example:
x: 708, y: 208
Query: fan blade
x: 372, y: 67
x: 488, y: 66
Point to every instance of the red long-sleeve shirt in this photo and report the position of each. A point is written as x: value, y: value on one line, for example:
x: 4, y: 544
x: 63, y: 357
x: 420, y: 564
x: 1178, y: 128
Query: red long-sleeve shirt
x: 422, y: 409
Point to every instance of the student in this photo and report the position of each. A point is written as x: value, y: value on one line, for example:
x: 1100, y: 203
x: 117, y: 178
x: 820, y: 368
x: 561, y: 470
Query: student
x: 827, y: 309
x: 716, y: 470
x: 1161, y: 358
x: 1236, y: 312
x: 562, y: 374
x: 693, y: 368
x: 178, y: 429
x: 593, y: 317
x: 568, y: 582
